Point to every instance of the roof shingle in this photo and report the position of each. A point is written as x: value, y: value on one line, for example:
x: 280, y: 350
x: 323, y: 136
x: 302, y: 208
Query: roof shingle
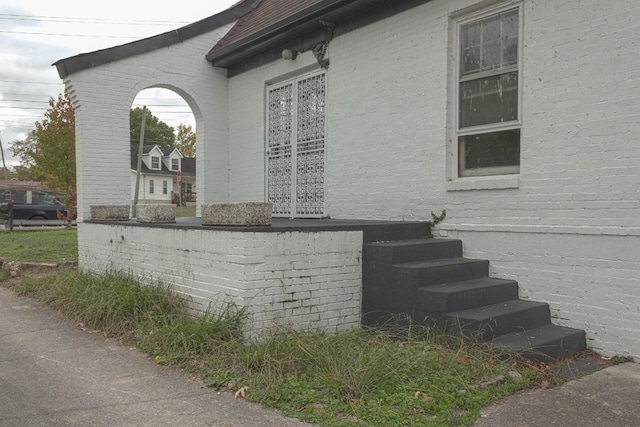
x: 267, y: 13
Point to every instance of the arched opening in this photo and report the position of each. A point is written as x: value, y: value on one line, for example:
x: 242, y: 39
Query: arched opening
x: 166, y: 170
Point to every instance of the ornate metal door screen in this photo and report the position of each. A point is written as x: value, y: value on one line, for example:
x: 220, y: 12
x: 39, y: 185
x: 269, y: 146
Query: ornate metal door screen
x: 295, y: 146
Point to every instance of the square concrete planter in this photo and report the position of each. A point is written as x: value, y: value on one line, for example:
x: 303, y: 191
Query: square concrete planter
x: 110, y: 212
x: 158, y: 213
x: 240, y: 214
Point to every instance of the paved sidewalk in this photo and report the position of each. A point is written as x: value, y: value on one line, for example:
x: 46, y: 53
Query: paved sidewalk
x: 607, y: 398
x: 53, y: 374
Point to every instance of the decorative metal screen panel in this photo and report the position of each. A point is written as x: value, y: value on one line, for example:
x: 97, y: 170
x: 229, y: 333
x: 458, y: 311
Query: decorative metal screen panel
x: 310, y: 146
x: 279, y: 138
x: 295, y: 152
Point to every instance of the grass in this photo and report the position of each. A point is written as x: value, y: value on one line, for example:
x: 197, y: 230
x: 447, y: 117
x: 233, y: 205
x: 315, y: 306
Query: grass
x: 402, y: 376
x: 185, y: 211
x: 410, y: 377
x: 40, y: 246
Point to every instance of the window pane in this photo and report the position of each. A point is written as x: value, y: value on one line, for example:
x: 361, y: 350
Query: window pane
x: 491, y: 55
x: 470, y: 43
x: 510, y: 24
x: 490, y: 100
x: 490, y: 43
x: 491, y: 29
x: 493, y: 149
x: 471, y: 60
x: 510, y: 52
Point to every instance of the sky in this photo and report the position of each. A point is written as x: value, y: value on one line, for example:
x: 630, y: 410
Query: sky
x: 36, y: 33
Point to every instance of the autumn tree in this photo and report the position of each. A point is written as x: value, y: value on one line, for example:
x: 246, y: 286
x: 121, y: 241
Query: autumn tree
x: 49, y: 151
x: 186, y: 140
x: 25, y: 173
x: 155, y: 130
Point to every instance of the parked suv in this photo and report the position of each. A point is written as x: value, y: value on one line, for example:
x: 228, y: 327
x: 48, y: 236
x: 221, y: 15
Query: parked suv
x: 36, y: 205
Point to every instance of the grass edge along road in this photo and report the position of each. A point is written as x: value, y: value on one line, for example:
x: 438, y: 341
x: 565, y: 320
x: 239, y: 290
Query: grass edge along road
x: 399, y: 376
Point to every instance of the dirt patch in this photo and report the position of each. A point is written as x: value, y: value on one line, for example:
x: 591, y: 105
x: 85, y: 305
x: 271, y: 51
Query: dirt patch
x: 18, y: 271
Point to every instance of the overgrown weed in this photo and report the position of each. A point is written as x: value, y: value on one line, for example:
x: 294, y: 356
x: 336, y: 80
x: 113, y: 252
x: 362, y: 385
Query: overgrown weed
x: 397, y: 375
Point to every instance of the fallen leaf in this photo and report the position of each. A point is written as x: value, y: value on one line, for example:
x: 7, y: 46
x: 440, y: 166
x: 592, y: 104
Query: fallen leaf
x: 424, y: 396
x: 241, y: 392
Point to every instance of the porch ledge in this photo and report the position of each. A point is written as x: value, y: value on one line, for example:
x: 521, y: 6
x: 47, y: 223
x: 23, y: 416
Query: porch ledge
x: 245, y: 214
x: 156, y: 213
x: 110, y: 212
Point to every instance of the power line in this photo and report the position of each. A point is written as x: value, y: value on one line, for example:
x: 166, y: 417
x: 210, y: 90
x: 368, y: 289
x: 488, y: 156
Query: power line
x: 24, y: 108
x: 33, y: 83
x: 24, y: 100
x: 74, y: 20
x: 68, y: 35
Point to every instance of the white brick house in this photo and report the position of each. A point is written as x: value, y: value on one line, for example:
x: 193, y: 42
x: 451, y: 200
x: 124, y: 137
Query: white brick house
x: 520, y: 118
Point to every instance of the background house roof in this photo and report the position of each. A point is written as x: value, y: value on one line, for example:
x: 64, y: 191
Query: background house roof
x: 187, y: 164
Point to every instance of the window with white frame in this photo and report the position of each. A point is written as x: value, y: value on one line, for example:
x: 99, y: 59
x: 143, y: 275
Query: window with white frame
x: 155, y: 162
x: 165, y: 187
x: 186, y: 187
x: 488, y: 93
x: 175, y: 164
x: 151, y: 185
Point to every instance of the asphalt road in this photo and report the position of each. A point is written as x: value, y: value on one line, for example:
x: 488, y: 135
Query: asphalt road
x: 54, y: 374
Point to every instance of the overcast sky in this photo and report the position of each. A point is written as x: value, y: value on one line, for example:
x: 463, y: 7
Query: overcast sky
x: 36, y: 33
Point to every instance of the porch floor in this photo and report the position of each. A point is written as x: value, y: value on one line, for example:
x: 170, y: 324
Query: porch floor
x: 373, y: 230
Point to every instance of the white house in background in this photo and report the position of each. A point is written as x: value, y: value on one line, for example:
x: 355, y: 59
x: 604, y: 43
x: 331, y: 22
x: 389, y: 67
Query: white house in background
x: 165, y: 175
x: 521, y: 118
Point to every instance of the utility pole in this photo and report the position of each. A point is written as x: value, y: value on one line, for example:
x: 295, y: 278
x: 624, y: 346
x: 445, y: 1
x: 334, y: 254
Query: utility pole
x: 139, y: 167
x: 4, y: 165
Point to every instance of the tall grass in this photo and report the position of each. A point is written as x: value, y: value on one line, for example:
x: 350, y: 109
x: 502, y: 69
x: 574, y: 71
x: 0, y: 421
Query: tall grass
x: 148, y: 315
x: 399, y: 376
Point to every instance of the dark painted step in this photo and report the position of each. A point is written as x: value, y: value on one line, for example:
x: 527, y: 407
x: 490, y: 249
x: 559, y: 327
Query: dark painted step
x: 446, y: 297
x: 415, y: 250
x: 548, y: 343
x: 433, y: 272
x: 490, y: 321
x: 395, y: 231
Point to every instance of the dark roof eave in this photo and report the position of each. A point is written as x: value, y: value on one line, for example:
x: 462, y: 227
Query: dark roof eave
x: 83, y: 61
x: 218, y: 57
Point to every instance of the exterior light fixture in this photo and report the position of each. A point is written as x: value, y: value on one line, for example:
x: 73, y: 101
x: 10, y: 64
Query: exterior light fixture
x: 289, y: 54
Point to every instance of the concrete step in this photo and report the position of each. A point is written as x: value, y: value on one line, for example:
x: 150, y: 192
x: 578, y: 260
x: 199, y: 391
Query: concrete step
x: 446, y: 297
x: 548, y: 343
x: 415, y: 250
x: 487, y: 322
x: 434, y: 272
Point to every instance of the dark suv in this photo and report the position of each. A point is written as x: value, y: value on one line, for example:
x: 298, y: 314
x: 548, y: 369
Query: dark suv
x: 36, y: 205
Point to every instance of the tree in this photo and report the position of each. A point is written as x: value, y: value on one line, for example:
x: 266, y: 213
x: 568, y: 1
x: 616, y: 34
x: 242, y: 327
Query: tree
x: 186, y: 140
x: 49, y: 151
x: 155, y: 130
x: 25, y: 173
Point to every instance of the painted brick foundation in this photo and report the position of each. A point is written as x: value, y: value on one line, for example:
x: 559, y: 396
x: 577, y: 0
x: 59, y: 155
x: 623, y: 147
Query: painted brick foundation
x: 303, y: 279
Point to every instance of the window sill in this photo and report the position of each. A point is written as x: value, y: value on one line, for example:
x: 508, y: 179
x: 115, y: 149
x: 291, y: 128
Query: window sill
x: 484, y: 183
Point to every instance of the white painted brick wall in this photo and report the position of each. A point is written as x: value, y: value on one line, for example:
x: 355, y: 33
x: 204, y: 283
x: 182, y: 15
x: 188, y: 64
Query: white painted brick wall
x: 304, y: 279
x: 387, y: 124
x: 387, y: 101
x: 102, y: 97
x: 388, y: 96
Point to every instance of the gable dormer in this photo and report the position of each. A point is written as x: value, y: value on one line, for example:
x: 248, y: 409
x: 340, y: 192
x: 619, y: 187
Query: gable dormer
x: 153, y: 158
x: 173, y: 160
